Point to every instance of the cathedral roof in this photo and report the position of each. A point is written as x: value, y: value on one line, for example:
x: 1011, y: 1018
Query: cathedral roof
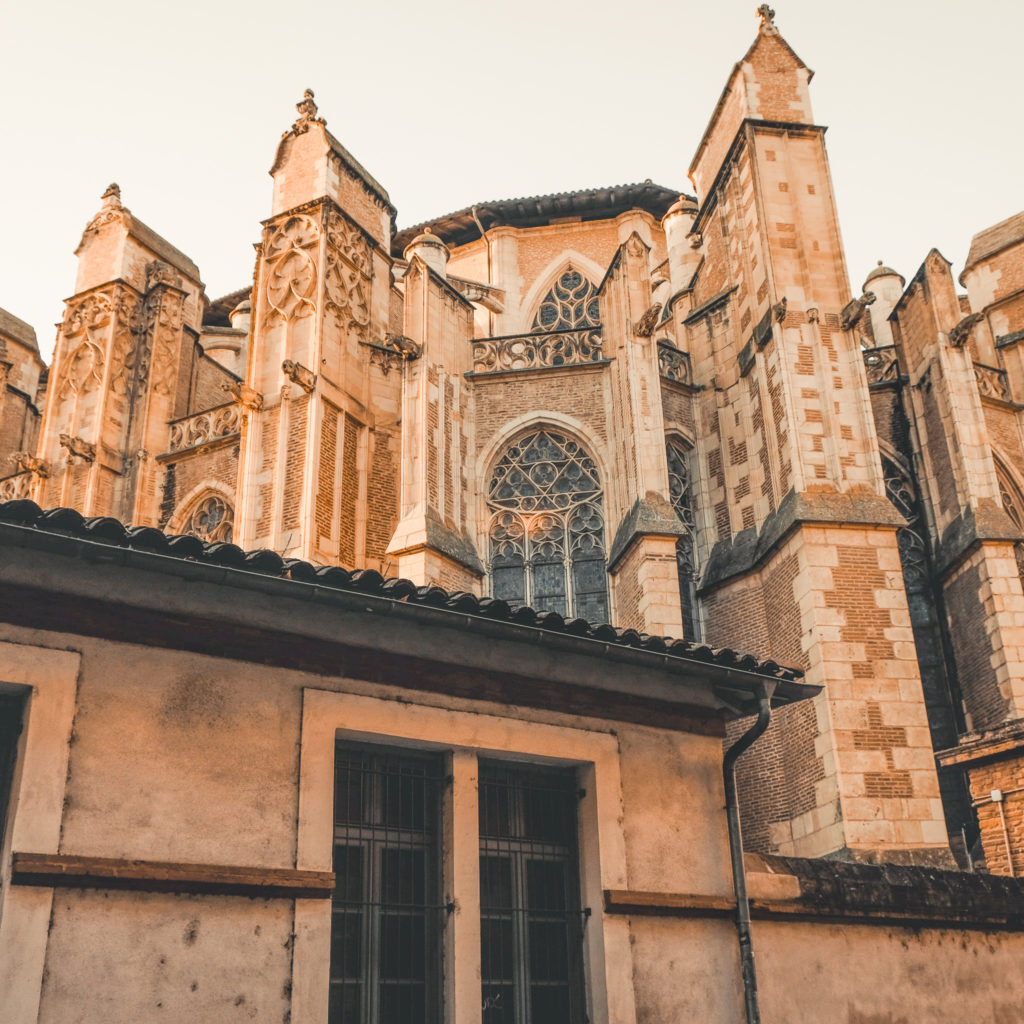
x: 994, y: 239
x: 218, y: 312
x: 535, y: 211
x: 103, y: 539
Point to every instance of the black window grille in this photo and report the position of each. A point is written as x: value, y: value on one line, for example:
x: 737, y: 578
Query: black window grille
x: 12, y: 713
x: 531, y: 926
x: 387, y: 918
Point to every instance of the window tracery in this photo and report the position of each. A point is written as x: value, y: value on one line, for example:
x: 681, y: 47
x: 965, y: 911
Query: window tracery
x: 546, y: 532
x: 212, y: 520
x: 1013, y: 505
x: 681, y: 497
x: 569, y: 305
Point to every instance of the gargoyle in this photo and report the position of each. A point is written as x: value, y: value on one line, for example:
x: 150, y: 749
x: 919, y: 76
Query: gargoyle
x: 243, y: 394
x: 645, y: 325
x: 77, y: 449
x: 29, y: 463
x: 298, y: 374
x: 959, y: 335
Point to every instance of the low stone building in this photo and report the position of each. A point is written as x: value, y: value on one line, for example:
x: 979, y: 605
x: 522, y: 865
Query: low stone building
x: 248, y: 789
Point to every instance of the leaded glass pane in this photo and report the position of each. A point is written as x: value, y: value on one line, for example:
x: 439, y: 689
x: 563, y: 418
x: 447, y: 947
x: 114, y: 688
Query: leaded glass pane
x: 571, y: 304
x: 546, y: 537
x: 681, y: 497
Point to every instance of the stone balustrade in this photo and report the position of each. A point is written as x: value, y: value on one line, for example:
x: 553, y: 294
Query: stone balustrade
x: 993, y: 382
x: 190, y: 431
x: 534, y: 351
x: 16, y: 486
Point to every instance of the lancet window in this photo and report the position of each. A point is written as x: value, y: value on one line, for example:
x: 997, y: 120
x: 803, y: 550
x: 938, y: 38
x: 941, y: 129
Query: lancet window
x: 212, y: 519
x: 571, y: 304
x: 681, y: 496
x: 1013, y: 505
x: 546, y: 530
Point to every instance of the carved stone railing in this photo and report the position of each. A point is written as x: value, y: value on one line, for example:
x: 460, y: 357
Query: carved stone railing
x: 204, y: 427
x: 16, y: 486
x: 533, y: 351
x: 993, y: 382
x: 881, y: 364
x: 674, y: 364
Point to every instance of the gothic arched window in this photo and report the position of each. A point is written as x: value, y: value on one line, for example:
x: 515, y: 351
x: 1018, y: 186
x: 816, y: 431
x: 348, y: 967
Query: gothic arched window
x: 546, y: 531
x: 681, y: 496
x: 1013, y: 505
x: 212, y: 519
x: 570, y: 304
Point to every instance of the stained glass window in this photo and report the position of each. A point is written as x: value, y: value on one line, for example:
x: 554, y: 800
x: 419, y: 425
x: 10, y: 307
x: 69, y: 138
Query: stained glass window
x: 212, y: 520
x: 571, y: 304
x: 681, y: 496
x: 546, y: 533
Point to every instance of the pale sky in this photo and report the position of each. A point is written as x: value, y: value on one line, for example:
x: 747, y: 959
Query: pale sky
x: 448, y: 103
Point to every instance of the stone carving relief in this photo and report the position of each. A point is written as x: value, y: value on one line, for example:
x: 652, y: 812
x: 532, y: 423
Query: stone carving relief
x: 77, y: 450
x: 347, y: 274
x: 111, y: 211
x: 992, y: 382
x: 299, y: 374
x: 243, y: 394
x: 646, y: 324
x: 674, y: 364
x: 307, y: 109
x: 290, y: 270
x: 900, y: 490
x: 212, y: 520
x: 158, y: 272
x: 881, y: 365
x: 779, y: 310
x: 85, y: 323
x: 397, y: 349
x: 161, y: 331
x: 959, y: 335
x: 29, y: 463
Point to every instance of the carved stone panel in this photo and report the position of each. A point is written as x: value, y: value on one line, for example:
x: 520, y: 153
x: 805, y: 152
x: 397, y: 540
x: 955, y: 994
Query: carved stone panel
x: 290, y: 270
x: 347, y: 276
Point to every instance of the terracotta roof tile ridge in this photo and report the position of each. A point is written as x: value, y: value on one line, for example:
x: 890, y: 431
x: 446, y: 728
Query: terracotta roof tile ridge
x: 108, y: 530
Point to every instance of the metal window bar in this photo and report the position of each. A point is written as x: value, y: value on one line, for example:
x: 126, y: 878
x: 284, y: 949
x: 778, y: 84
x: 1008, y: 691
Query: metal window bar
x: 12, y: 714
x: 531, y: 930
x: 387, y: 918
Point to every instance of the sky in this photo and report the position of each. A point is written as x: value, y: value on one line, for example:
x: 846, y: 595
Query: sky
x: 448, y: 103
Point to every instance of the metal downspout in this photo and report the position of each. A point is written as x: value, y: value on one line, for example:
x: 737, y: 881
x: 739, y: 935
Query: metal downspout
x: 739, y: 878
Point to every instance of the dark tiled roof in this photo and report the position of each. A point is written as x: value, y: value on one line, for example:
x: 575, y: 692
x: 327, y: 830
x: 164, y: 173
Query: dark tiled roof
x: 532, y: 211
x: 218, y: 312
x: 106, y: 530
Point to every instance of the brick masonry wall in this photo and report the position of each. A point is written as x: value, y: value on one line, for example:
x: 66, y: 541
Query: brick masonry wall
x: 1006, y: 775
x: 183, y: 475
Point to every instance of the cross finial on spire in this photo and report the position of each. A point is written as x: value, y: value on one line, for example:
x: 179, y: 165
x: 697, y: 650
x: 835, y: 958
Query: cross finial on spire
x: 767, y: 16
x: 112, y: 196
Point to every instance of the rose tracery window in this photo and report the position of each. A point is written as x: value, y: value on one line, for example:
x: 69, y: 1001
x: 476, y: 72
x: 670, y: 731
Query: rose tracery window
x: 681, y: 497
x: 546, y: 532
x: 570, y: 304
x: 212, y: 520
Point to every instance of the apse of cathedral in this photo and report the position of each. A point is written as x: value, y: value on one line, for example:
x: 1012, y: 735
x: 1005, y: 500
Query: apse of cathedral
x: 627, y: 404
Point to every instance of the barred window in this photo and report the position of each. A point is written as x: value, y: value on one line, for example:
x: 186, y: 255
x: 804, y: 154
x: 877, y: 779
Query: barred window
x: 570, y: 304
x: 681, y: 497
x: 12, y: 714
x: 531, y: 928
x: 386, y: 914
x: 546, y: 532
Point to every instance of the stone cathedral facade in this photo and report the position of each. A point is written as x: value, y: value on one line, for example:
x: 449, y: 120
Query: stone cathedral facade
x: 623, y: 404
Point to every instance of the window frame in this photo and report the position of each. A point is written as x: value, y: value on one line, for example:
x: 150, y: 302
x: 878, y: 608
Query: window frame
x: 592, y: 753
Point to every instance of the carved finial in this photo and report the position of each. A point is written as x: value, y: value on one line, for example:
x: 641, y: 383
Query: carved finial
x: 767, y: 16
x: 112, y: 196
x: 307, y: 109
